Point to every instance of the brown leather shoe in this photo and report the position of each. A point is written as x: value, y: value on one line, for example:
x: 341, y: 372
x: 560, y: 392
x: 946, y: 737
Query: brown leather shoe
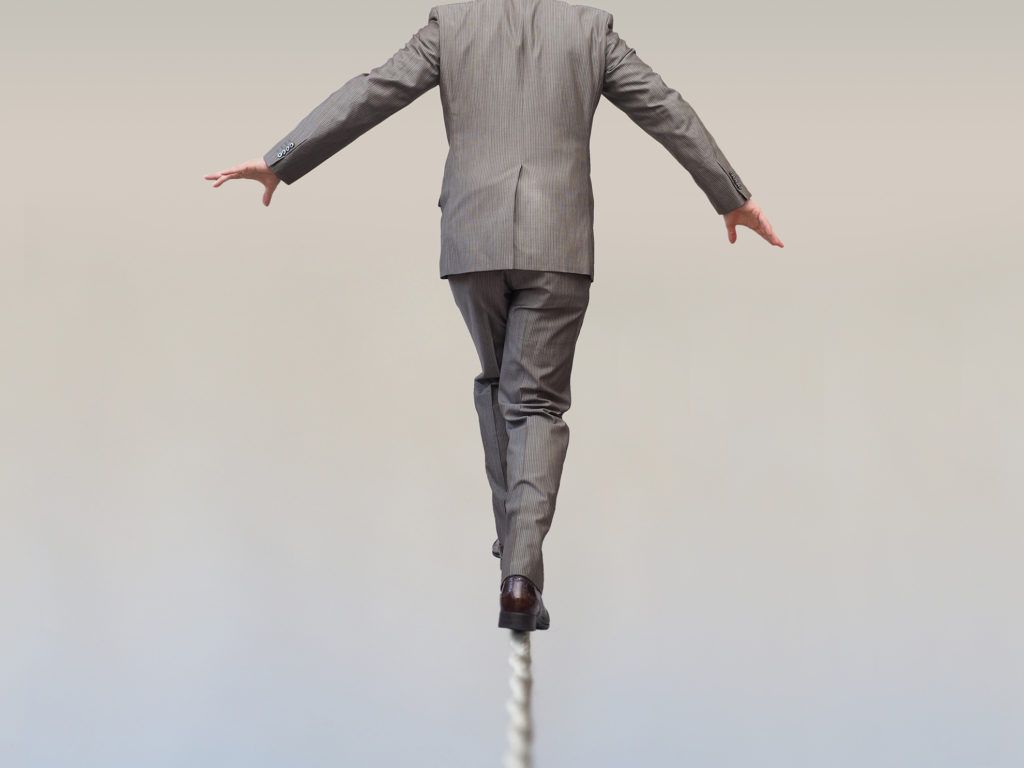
x: 522, y: 607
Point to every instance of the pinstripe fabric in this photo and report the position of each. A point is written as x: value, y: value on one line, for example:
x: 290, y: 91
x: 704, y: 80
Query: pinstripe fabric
x: 525, y: 325
x: 519, y: 83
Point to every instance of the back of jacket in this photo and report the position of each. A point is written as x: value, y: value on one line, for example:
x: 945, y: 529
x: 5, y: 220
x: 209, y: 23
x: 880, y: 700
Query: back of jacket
x: 519, y: 83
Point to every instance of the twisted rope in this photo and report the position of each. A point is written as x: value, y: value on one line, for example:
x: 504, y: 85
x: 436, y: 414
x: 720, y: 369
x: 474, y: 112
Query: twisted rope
x: 520, y: 724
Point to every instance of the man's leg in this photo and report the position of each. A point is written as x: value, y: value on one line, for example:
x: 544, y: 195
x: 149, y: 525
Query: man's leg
x: 483, y: 299
x: 543, y: 324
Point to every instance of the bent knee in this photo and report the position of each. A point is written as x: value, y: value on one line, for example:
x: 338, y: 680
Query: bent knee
x: 536, y: 404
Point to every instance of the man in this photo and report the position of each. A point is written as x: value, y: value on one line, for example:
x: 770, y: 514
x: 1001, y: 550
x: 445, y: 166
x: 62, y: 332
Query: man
x: 519, y: 83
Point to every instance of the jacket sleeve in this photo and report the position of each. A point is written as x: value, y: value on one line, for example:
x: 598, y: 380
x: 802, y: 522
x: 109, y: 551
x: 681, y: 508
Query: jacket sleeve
x: 632, y: 86
x: 357, y: 106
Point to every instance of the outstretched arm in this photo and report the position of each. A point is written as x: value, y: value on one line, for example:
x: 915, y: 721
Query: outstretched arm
x: 357, y: 106
x: 360, y: 104
x: 632, y: 86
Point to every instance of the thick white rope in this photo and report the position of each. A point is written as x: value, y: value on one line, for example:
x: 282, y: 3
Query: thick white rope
x: 520, y: 724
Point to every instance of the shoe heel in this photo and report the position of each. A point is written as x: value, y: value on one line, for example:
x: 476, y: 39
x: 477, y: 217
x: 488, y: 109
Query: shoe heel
x: 522, y: 622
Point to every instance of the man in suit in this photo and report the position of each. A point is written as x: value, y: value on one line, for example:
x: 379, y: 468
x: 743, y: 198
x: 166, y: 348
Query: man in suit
x: 519, y: 83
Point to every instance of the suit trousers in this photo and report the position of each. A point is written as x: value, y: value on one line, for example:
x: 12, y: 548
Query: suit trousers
x: 524, y: 325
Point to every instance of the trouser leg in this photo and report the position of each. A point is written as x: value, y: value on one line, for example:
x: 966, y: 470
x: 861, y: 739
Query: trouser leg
x: 543, y: 323
x: 483, y: 299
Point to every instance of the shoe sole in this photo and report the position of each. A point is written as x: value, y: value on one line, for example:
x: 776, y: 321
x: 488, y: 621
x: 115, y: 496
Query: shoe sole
x: 521, y: 622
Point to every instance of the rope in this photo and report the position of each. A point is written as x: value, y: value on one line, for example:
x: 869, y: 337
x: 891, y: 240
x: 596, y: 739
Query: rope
x: 520, y: 725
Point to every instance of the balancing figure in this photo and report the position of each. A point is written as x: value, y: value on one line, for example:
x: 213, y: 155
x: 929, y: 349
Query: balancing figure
x: 519, y: 83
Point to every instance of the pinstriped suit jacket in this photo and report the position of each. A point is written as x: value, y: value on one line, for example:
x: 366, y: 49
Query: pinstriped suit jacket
x: 519, y: 83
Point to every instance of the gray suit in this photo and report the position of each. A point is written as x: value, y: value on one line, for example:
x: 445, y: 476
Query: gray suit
x: 519, y: 81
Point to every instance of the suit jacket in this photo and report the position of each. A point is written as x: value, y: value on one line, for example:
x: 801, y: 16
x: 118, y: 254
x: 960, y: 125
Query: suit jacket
x: 519, y: 83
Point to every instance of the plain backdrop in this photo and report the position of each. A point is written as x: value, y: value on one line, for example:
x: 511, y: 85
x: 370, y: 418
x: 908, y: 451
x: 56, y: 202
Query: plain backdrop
x: 241, y: 525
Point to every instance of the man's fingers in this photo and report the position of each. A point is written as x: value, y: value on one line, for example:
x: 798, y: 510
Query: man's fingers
x: 770, y: 235
x: 766, y: 231
x: 218, y: 174
x: 225, y: 177
x: 763, y: 227
x: 756, y: 220
x: 242, y: 170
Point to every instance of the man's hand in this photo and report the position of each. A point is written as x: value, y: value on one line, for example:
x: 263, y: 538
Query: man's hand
x: 750, y: 215
x: 251, y: 169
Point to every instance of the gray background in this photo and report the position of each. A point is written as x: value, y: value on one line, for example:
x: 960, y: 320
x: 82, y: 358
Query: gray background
x: 810, y: 531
